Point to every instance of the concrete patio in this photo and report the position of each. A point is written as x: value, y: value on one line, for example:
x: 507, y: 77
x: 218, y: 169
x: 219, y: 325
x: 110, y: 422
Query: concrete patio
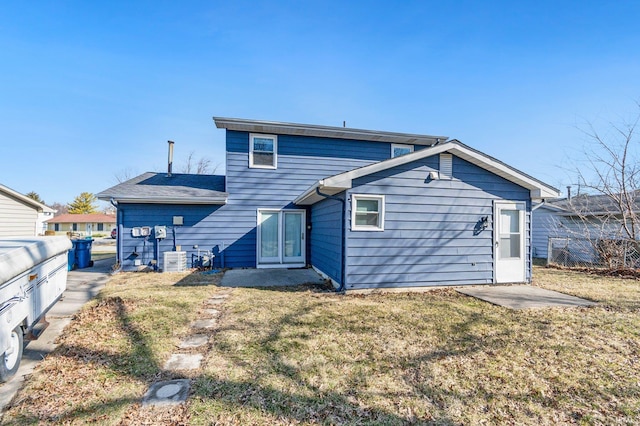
x: 523, y: 297
x: 270, y: 277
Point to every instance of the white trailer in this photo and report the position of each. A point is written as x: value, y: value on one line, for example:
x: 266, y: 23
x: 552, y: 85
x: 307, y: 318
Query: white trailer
x: 33, y: 276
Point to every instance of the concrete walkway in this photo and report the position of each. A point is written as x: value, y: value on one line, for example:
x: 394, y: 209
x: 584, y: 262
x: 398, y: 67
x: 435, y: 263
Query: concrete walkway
x: 523, y: 297
x: 82, y: 286
x: 270, y: 277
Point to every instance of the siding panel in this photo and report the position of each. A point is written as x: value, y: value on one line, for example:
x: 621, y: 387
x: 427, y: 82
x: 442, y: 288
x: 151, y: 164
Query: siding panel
x: 430, y: 235
x: 326, y: 238
x: 16, y: 218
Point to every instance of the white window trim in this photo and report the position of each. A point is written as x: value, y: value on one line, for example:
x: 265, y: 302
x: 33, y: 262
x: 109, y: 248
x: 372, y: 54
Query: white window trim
x: 354, y: 201
x: 275, y: 151
x: 400, y: 145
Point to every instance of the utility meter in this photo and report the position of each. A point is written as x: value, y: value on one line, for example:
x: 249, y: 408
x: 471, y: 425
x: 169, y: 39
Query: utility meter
x: 160, y: 232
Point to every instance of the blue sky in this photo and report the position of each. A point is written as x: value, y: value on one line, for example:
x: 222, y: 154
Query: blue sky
x: 89, y: 90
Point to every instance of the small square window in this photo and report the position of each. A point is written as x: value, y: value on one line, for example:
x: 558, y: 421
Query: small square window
x: 263, y: 151
x: 367, y: 213
x: 400, y: 149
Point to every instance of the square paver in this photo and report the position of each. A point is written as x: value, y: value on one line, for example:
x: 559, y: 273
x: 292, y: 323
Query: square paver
x: 194, y: 341
x: 204, y: 323
x: 183, y: 362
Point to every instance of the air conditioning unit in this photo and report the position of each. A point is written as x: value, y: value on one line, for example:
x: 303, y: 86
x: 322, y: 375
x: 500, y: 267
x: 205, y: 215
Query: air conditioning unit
x: 175, y: 261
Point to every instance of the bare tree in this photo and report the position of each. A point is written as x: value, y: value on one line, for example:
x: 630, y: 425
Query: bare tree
x: 609, y: 214
x: 199, y: 166
x: 125, y: 174
x: 59, y: 208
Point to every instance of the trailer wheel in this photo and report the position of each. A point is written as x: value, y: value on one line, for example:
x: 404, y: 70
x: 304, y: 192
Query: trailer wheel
x: 10, y: 360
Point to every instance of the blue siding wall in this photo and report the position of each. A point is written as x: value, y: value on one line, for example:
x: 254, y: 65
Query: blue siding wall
x: 302, y: 161
x: 429, y: 227
x: 197, y: 222
x: 326, y: 238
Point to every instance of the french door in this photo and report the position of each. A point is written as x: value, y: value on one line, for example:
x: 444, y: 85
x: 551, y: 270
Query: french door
x: 281, y: 236
x: 509, y: 235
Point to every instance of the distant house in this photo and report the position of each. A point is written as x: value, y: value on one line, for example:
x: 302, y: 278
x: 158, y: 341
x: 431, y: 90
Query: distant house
x: 586, y: 218
x: 367, y: 209
x: 82, y: 224
x: 20, y: 216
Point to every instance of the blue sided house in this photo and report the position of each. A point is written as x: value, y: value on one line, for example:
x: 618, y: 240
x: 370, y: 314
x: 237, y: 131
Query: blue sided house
x: 367, y: 209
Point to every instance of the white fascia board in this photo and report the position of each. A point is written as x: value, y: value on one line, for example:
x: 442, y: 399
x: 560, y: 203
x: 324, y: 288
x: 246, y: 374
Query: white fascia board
x: 537, y: 189
x: 310, y: 196
x: 282, y: 128
x: 345, y: 180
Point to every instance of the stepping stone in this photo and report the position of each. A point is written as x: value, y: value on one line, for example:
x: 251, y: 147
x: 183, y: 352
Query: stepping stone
x: 215, y: 301
x: 204, y: 323
x: 171, y: 392
x: 220, y: 296
x: 194, y: 341
x: 213, y: 312
x: 183, y: 362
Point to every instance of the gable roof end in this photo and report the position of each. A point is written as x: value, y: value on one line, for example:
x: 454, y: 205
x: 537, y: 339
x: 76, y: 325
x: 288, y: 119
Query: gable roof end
x: 26, y: 200
x: 274, y: 127
x: 343, y: 181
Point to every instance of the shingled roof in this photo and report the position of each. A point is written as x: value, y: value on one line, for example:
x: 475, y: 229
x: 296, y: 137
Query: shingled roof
x: 595, y: 205
x: 159, y: 188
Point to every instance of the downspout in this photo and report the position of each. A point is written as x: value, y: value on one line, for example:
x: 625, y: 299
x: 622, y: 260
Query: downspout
x: 538, y: 206
x: 340, y: 289
x: 119, y: 234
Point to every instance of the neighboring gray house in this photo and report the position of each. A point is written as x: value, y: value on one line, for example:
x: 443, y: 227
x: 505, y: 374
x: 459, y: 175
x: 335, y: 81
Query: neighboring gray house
x: 583, y: 220
x: 367, y: 209
x: 20, y: 216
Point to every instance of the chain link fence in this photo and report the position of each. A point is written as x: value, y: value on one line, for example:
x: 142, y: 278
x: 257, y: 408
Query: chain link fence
x: 584, y: 252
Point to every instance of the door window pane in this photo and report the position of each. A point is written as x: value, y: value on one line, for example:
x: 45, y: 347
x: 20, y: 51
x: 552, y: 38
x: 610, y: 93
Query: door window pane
x: 510, y: 246
x: 509, y: 234
x: 292, y: 235
x: 269, y: 234
x: 510, y: 221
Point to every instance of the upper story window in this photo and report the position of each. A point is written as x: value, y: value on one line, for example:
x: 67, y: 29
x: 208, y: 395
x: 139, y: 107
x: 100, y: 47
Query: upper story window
x: 367, y: 212
x: 263, y: 151
x: 398, y: 149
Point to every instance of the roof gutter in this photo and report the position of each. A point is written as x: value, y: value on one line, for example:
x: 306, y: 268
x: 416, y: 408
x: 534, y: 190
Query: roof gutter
x: 198, y: 200
x: 340, y: 289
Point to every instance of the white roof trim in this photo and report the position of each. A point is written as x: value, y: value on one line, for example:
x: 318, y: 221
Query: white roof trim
x: 274, y: 127
x: 344, y: 181
x: 33, y: 203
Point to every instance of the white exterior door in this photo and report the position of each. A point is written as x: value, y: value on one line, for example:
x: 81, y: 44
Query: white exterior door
x: 281, y: 238
x: 509, y: 235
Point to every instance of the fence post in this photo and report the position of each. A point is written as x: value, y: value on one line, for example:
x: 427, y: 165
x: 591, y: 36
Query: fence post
x: 624, y: 258
x: 549, y: 248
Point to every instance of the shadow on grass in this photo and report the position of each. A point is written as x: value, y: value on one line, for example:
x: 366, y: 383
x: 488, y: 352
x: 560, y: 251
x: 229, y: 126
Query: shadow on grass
x: 141, y: 364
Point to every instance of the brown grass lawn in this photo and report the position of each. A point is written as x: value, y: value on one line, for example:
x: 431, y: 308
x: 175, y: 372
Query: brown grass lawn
x: 308, y: 357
